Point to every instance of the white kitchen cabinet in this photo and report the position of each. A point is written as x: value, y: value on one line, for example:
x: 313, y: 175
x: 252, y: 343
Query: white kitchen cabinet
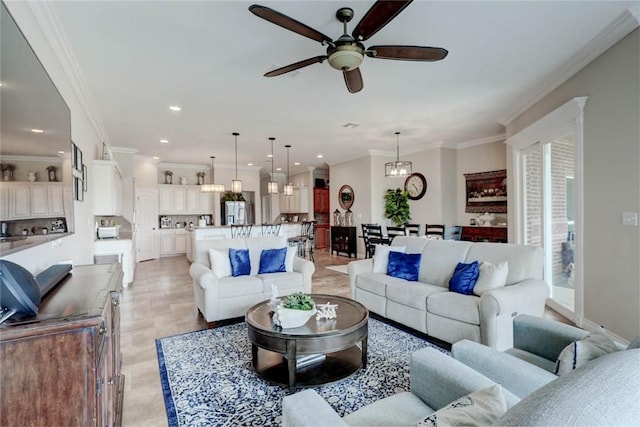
x: 183, y: 200
x: 4, y: 200
x: 192, y: 199
x: 205, y: 204
x: 124, y: 249
x: 165, y: 199
x: 181, y: 241
x: 179, y: 200
x: 173, y: 241
x: 20, y: 201
x: 298, y: 203
x: 107, y: 187
x: 55, y: 199
x: 39, y: 200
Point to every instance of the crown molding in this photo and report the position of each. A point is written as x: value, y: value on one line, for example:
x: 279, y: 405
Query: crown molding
x: 47, y: 20
x: 200, y: 166
x: 124, y: 150
x: 56, y: 159
x: 620, y: 27
x: 481, y: 141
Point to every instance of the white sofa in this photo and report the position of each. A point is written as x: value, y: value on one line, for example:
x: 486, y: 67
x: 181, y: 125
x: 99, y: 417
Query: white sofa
x: 429, y: 307
x: 219, y: 298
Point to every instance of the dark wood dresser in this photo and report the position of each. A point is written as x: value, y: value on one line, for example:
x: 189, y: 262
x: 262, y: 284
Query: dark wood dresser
x: 62, y: 367
x: 484, y: 234
x: 344, y: 239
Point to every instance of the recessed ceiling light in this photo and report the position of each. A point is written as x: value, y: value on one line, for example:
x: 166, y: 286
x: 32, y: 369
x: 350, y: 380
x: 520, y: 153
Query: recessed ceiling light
x: 156, y: 158
x: 37, y: 131
x: 164, y: 141
x: 296, y: 163
x: 269, y: 155
x: 60, y: 152
x: 174, y: 108
x: 278, y: 169
x: 319, y: 156
x: 350, y: 125
x: 249, y: 164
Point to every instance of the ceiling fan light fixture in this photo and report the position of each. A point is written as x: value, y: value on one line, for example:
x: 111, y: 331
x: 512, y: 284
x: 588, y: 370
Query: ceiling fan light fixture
x: 346, y: 59
x: 398, y: 168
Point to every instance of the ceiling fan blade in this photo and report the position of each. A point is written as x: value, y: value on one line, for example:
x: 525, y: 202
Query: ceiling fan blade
x: 295, y: 66
x: 353, y: 80
x: 290, y: 24
x: 380, y: 14
x: 407, y: 53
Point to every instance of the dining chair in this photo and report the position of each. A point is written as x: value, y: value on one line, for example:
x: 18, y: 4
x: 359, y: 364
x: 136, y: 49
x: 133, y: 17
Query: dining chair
x: 434, y: 231
x: 393, y: 232
x: 240, y: 231
x: 412, y: 229
x: 271, y: 229
x: 301, y: 239
x: 372, y: 234
x: 453, y: 233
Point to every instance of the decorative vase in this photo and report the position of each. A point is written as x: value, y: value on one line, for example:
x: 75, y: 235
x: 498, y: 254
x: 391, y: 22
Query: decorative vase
x: 292, y: 318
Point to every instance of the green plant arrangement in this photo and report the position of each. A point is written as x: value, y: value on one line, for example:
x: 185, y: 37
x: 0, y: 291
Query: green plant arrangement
x: 230, y: 196
x: 298, y: 301
x: 396, y: 206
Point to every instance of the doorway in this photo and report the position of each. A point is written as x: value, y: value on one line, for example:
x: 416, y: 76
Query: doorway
x: 145, y: 223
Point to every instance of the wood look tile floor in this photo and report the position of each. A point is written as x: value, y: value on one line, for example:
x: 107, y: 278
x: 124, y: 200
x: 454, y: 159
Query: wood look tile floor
x: 159, y: 303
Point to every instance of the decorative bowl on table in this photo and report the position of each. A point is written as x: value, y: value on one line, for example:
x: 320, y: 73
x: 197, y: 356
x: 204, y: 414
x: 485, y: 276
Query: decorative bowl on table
x: 295, y: 311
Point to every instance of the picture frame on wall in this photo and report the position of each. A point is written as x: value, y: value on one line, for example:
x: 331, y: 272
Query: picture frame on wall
x: 84, y: 178
x: 486, y: 192
x: 74, y: 156
x: 78, y: 193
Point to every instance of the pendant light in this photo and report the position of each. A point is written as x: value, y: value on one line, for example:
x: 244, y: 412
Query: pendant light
x: 288, y: 189
x: 397, y: 168
x: 272, y: 186
x: 236, y: 184
x: 212, y: 187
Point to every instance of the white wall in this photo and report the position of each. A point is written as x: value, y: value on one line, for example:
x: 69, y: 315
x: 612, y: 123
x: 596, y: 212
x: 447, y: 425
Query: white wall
x: 611, y: 181
x: 480, y: 158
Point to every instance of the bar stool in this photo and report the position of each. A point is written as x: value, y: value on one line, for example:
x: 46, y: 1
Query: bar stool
x: 240, y: 231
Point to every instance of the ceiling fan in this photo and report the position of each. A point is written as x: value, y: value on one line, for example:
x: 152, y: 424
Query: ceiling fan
x: 347, y: 52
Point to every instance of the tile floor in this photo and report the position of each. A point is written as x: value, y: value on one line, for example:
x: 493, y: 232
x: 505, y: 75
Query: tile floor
x: 160, y: 303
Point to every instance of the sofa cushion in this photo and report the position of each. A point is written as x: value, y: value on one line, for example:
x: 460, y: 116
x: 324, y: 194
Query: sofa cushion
x: 491, y: 276
x: 283, y: 281
x: 464, y: 278
x: 202, y: 248
x: 404, y: 266
x: 579, y: 352
x: 525, y: 262
x: 452, y: 305
x: 480, y: 408
x: 439, y: 259
x: 240, y: 263
x: 411, y: 294
x: 376, y: 283
x: 381, y: 257
x: 532, y: 358
x: 239, y: 286
x: 273, y: 260
x: 257, y: 244
x: 291, y: 254
x: 220, y: 262
x: 400, y: 409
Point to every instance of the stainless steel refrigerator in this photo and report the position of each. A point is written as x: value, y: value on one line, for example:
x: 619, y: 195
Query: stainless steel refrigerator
x: 237, y: 213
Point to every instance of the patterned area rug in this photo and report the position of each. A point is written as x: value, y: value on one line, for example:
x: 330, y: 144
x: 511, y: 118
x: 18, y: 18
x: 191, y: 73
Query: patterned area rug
x: 207, y: 377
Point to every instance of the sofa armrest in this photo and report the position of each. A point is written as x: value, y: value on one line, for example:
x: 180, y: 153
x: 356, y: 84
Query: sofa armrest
x: 356, y: 267
x: 202, y: 275
x: 499, y: 306
x: 438, y: 379
x: 307, y: 268
x: 307, y: 408
x: 543, y: 337
x: 519, y: 377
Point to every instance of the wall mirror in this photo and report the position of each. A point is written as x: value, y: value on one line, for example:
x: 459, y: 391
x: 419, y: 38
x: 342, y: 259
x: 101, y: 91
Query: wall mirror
x: 345, y: 197
x: 35, y: 130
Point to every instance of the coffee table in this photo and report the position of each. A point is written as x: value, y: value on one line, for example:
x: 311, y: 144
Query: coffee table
x: 275, y: 351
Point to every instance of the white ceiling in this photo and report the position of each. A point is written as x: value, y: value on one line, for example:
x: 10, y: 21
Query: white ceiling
x: 208, y: 57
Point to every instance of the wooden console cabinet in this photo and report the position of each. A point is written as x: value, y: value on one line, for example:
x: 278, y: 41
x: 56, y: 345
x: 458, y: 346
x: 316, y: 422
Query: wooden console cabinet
x: 63, y: 366
x: 484, y: 234
x: 344, y: 239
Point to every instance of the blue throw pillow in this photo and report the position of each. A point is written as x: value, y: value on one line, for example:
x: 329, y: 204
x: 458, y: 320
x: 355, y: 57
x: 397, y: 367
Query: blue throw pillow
x: 464, y: 278
x: 404, y: 266
x: 272, y: 260
x: 240, y: 264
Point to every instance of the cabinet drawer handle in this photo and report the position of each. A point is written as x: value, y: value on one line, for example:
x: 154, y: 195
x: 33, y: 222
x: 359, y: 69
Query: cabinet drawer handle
x: 103, y: 330
x: 116, y: 302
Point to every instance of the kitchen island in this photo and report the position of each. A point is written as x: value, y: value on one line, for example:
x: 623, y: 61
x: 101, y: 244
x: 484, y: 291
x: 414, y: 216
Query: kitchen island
x: 224, y: 232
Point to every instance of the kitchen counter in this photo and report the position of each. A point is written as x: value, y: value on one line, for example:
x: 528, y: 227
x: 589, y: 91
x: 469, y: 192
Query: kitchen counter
x: 9, y: 245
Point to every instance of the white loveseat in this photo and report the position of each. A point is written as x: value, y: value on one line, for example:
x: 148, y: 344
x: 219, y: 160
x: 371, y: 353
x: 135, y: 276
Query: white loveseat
x: 219, y: 298
x: 428, y: 306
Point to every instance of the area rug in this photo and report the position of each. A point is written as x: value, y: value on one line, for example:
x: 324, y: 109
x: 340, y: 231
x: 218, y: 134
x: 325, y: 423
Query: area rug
x: 207, y: 377
x: 339, y: 268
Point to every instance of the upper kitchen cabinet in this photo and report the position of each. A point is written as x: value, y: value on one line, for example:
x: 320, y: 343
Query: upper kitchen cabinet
x: 107, y: 183
x: 321, y: 200
x: 183, y: 200
x: 298, y: 203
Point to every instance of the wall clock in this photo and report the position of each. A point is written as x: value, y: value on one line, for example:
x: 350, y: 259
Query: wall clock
x: 416, y: 185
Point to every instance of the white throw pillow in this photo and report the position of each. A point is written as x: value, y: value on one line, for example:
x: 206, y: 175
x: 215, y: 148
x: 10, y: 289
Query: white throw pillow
x: 480, y: 408
x: 288, y: 261
x: 492, y: 276
x: 381, y: 257
x: 220, y: 263
x: 579, y: 352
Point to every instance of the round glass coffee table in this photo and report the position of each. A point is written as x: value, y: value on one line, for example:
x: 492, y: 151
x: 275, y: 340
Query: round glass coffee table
x: 319, y: 352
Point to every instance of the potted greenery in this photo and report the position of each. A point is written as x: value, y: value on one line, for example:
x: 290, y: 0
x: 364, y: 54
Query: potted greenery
x: 396, y: 206
x: 230, y: 196
x: 295, y: 311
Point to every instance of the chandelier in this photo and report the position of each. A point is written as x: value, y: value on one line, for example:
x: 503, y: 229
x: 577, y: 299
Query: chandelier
x: 236, y: 184
x: 211, y: 187
x: 399, y: 167
x: 272, y: 186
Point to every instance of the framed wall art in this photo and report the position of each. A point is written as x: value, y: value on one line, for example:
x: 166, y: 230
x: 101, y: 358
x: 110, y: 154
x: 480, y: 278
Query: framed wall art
x: 486, y: 192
